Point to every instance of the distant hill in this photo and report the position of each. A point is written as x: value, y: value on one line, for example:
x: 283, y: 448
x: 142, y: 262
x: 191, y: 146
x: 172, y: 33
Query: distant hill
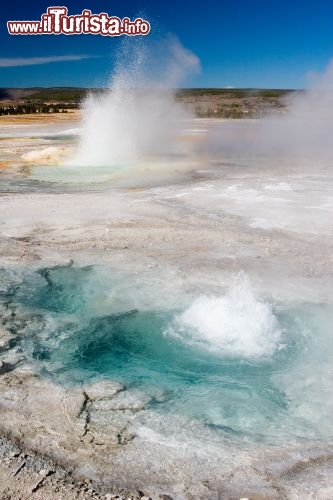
x: 75, y: 94
x: 54, y: 94
x: 204, y: 102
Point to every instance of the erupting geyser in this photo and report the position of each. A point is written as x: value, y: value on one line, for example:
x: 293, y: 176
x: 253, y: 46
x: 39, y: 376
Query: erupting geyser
x: 138, y: 116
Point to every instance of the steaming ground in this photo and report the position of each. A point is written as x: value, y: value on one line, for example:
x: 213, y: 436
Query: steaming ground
x: 210, y: 276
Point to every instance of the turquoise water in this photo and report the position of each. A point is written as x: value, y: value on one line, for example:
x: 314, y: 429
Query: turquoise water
x: 85, y: 323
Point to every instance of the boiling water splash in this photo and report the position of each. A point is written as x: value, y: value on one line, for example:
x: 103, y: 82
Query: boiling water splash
x: 237, y: 324
x: 224, y: 366
x: 139, y: 115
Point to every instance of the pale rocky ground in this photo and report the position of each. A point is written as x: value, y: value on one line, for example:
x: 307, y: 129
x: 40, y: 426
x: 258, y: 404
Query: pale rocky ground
x: 75, y: 423
x: 195, y: 233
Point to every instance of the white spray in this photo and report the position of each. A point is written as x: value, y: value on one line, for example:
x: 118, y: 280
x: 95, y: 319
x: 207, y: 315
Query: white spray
x: 139, y: 115
x: 237, y: 324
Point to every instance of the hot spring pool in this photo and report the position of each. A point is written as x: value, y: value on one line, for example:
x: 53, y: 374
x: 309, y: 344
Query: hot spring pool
x: 235, y: 362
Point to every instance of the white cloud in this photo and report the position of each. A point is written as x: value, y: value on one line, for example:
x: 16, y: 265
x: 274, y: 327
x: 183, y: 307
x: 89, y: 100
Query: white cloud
x: 29, y: 61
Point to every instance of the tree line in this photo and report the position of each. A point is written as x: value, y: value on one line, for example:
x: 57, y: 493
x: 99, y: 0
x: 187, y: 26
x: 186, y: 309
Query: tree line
x: 33, y: 107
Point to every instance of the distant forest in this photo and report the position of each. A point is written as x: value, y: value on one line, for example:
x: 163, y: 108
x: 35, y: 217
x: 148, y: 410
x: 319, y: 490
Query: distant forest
x: 204, y: 102
x: 33, y: 107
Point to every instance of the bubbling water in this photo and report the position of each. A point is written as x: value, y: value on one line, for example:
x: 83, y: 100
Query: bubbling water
x: 138, y: 116
x: 237, y: 324
x: 225, y: 366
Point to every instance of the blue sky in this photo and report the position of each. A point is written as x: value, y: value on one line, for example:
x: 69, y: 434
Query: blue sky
x: 240, y: 43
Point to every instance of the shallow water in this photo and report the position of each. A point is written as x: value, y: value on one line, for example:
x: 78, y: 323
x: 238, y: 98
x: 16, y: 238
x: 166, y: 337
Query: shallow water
x: 235, y: 362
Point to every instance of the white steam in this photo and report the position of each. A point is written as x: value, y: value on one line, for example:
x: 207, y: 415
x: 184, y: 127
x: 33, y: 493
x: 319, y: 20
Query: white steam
x: 139, y: 115
x: 238, y: 324
x: 305, y: 130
